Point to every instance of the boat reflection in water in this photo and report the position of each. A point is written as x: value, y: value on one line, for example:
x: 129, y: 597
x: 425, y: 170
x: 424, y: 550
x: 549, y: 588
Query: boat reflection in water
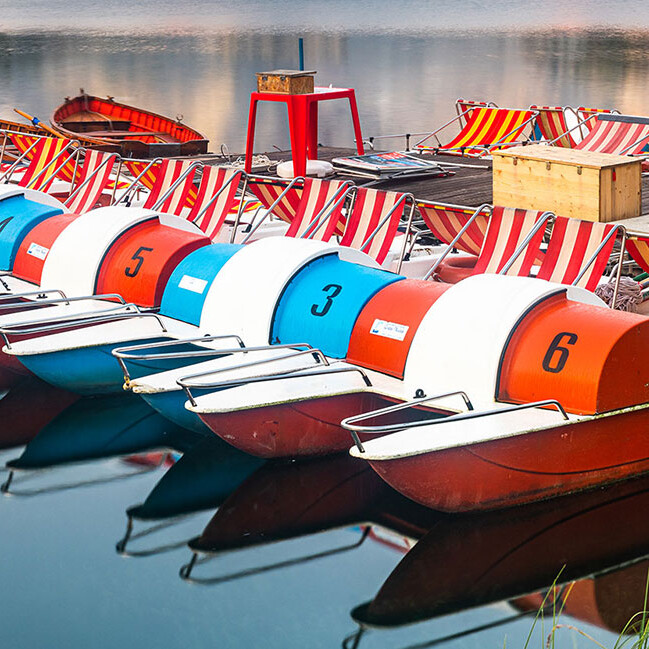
x: 474, y: 560
x: 27, y: 407
x: 96, y: 428
x: 288, y: 500
x: 200, y: 480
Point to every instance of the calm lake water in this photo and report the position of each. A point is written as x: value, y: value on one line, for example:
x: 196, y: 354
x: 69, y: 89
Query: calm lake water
x: 304, y: 552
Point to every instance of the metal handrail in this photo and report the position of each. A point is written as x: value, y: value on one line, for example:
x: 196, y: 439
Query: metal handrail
x: 9, y: 330
x: 273, y: 206
x: 60, y: 300
x: 349, y: 423
x: 185, y: 381
x: 192, y: 167
x: 13, y: 296
x: 121, y: 353
x: 473, y: 414
x: 242, y: 204
x: 543, y: 220
x: 289, y: 374
x: 451, y: 245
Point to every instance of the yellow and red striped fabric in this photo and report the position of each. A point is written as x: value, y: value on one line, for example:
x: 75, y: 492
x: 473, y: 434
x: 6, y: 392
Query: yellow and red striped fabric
x: 42, y: 157
x: 369, y: 208
x: 212, y: 181
x: 617, y: 134
x: 638, y: 248
x: 551, y: 123
x: 269, y: 190
x: 88, y: 196
x: 464, y: 107
x: 315, y: 196
x: 136, y: 167
x: 486, y: 128
x: 445, y: 221
x: 572, y: 244
x: 507, y: 230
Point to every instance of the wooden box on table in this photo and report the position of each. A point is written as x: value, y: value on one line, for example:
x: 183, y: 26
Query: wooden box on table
x: 286, y: 82
x: 579, y: 184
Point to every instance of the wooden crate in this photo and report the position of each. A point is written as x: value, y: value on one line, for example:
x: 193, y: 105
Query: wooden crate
x: 578, y: 184
x: 286, y: 82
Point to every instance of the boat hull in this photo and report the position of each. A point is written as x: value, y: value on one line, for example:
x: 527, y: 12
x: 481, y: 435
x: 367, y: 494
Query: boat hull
x: 524, y: 468
x: 299, y: 428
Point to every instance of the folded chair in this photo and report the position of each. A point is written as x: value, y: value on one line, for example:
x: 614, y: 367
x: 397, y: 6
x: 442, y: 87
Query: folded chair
x: 374, y: 220
x: 550, y: 126
x: 446, y: 221
x: 46, y: 157
x: 485, y: 129
x: 317, y: 214
x: 512, y: 245
x: 93, y: 179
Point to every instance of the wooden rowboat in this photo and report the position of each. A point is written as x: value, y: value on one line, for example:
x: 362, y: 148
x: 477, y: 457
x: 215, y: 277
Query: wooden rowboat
x: 140, y: 133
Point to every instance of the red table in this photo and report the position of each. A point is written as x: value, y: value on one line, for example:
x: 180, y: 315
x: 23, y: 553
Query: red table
x: 302, y: 123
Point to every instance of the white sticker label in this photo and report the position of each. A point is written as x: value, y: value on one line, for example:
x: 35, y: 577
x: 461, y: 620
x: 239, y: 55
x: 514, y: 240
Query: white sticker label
x: 194, y: 284
x: 389, y: 329
x: 37, y: 251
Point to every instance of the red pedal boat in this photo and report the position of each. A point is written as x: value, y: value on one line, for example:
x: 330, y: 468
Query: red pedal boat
x: 140, y: 133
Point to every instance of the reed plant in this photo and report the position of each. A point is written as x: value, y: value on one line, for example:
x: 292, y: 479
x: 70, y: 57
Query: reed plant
x: 634, y: 635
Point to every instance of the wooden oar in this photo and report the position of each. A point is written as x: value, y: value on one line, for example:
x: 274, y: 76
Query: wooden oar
x: 37, y: 122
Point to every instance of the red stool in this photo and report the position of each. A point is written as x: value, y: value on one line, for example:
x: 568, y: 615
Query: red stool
x: 302, y: 123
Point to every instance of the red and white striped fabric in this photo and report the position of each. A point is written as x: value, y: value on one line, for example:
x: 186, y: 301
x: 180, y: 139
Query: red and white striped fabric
x: 508, y: 228
x: 167, y: 174
x: 617, y: 134
x: 445, y: 221
x: 88, y: 196
x: 212, y: 181
x: 572, y: 244
x: 551, y: 123
x: 315, y: 196
x: 370, y: 207
x: 268, y: 190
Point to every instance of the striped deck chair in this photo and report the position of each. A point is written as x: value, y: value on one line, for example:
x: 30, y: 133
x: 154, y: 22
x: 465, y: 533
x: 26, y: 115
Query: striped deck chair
x: 93, y: 179
x: 174, y: 180
x: 550, y: 126
x: 374, y: 220
x: 139, y: 168
x: 578, y: 252
x: 511, y: 246
x: 48, y: 157
x: 319, y: 214
x: 269, y: 191
x: 446, y: 221
x: 486, y: 129
x: 216, y: 197
x: 618, y: 134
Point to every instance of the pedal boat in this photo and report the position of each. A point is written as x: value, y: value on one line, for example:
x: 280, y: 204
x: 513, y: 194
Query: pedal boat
x: 560, y: 400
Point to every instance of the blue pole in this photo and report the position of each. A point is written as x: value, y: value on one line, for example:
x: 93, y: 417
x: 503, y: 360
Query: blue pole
x: 300, y: 47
